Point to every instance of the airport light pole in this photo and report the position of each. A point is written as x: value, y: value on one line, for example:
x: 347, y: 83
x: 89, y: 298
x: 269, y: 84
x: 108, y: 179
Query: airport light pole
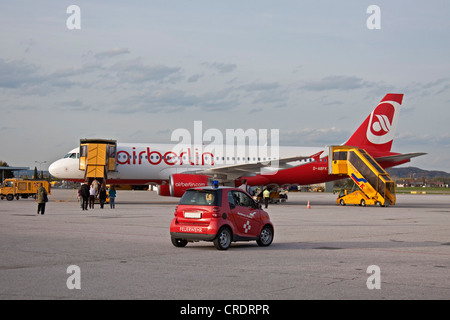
x: 40, y: 166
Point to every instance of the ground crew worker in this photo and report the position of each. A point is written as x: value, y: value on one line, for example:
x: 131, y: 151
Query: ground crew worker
x: 41, y: 198
x: 266, y: 196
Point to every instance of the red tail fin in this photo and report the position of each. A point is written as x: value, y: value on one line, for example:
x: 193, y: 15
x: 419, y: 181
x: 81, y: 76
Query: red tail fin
x: 377, y: 131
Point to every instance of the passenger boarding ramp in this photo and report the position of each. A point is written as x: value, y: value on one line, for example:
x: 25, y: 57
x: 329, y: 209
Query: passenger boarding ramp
x: 97, y: 158
x: 368, y: 175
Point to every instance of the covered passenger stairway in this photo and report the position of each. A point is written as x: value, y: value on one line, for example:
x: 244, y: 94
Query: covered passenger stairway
x: 97, y: 158
x: 373, y: 181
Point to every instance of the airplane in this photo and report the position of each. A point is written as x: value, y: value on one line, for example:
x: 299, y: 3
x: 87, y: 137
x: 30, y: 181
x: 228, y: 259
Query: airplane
x: 175, y: 170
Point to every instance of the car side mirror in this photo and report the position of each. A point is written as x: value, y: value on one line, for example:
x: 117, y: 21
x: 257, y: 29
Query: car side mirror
x: 232, y: 205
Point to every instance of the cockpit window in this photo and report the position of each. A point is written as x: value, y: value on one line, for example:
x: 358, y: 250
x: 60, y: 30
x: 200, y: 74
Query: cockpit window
x: 71, y: 156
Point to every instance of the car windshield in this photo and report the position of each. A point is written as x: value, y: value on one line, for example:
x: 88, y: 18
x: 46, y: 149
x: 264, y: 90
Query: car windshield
x: 200, y: 197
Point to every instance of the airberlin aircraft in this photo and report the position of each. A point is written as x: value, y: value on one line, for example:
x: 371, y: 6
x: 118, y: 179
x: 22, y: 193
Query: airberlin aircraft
x: 175, y: 168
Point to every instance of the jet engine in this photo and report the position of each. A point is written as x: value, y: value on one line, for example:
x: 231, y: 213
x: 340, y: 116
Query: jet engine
x: 164, y: 190
x: 180, y: 182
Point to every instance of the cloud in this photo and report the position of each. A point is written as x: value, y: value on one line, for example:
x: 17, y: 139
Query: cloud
x: 74, y: 105
x: 5, y: 128
x: 336, y: 83
x: 28, y: 44
x: 157, y: 100
x: 16, y: 73
x: 314, y: 137
x: 260, y: 86
x: 436, y: 87
x: 263, y: 93
x: 169, y: 100
x: 134, y: 71
x: 221, y: 67
x: 413, y: 139
x: 195, y: 77
x: 112, y: 53
x: 31, y: 80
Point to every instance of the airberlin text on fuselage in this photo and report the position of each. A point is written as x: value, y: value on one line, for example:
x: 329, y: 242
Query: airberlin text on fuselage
x: 170, y: 158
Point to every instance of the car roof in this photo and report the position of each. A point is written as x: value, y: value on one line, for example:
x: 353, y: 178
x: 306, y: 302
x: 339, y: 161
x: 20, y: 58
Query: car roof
x: 211, y: 188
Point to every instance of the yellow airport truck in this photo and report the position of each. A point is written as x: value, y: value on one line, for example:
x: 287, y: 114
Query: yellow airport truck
x: 355, y: 197
x: 17, y: 188
x: 374, y: 184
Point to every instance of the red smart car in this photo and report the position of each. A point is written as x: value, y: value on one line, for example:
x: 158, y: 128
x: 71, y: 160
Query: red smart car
x: 221, y: 215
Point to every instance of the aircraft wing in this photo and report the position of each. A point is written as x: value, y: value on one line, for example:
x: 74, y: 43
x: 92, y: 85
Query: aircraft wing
x: 399, y: 157
x: 237, y: 170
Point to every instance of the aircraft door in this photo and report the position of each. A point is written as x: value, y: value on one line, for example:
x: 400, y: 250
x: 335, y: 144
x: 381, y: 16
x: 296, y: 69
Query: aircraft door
x: 83, y: 156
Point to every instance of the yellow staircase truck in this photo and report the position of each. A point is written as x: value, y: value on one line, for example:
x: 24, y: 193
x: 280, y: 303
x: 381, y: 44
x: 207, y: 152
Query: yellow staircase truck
x: 97, y: 158
x: 374, y: 184
x: 18, y: 188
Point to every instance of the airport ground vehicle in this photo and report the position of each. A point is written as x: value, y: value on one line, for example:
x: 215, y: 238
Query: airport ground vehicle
x: 355, y: 197
x: 21, y: 188
x: 221, y: 215
x: 373, y: 182
x: 276, y: 196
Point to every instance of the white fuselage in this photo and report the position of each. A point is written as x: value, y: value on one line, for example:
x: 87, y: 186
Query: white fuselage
x: 138, y: 163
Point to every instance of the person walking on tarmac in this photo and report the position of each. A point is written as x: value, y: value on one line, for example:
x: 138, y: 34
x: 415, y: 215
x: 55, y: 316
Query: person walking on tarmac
x: 41, y: 198
x: 112, y: 196
x: 266, y: 196
x: 96, y: 184
x: 102, y: 195
x: 92, y: 195
x: 84, y: 192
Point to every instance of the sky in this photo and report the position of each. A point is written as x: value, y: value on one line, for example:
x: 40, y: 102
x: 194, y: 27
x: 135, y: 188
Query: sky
x: 135, y: 71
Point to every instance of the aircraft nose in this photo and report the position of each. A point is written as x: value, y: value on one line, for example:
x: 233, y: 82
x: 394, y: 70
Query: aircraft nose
x: 55, y: 168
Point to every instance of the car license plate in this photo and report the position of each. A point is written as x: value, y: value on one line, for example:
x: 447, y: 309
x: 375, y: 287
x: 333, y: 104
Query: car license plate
x: 193, y: 215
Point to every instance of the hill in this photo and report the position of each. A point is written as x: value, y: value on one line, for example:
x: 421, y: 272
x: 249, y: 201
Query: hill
x: 413, y: 172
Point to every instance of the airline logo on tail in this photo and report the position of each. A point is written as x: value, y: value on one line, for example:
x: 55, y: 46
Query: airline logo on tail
x: 382, y: 123
x: 378, y: 130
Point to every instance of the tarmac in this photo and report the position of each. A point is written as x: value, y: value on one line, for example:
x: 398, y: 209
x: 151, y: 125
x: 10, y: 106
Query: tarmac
x: 327, y: 252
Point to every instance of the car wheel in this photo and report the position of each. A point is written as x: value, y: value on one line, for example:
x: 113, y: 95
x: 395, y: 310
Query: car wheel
x: 180, y: 243
x: 342, y: 202
x: 363, y: 203
x: 265, y: 237
x: 223, y: 239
